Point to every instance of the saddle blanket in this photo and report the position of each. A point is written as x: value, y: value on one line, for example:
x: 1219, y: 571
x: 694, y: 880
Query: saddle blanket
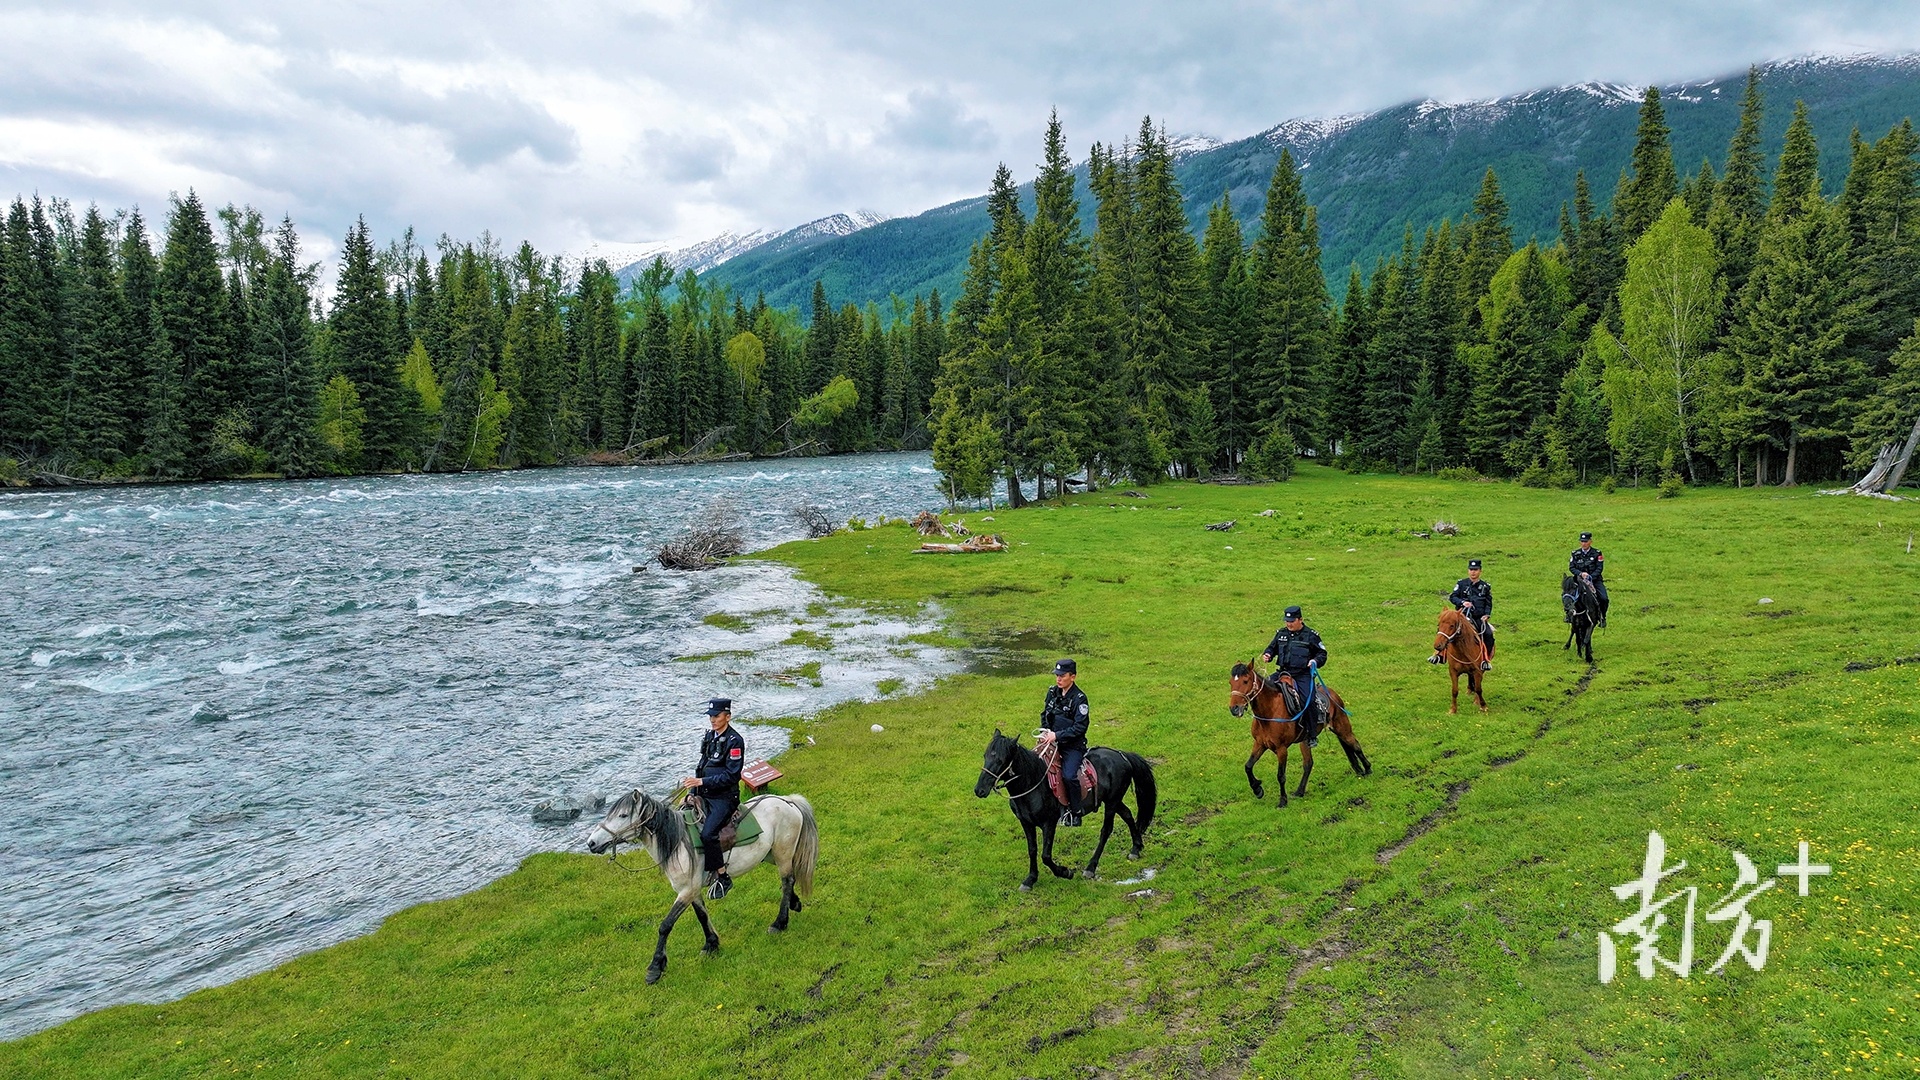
x: 741, y: 828
x: 1089, y: 780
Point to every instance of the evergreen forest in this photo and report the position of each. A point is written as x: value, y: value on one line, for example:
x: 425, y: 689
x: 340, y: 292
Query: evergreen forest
x: 1731, y: 325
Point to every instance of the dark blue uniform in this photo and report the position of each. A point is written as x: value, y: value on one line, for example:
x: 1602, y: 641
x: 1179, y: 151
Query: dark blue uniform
x: 1590, y: 562
x: 1066, y: 715
x: 1292, y: 651
x: 1479, y: 594
x: 722, y: 755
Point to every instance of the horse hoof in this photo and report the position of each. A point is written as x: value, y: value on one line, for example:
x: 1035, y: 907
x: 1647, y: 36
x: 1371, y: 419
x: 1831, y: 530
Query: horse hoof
x: 710, y: 948
x: 795, y: 904
x: 776, y: 928
x: 1087, y: 873
x: 1134, y: 854
x: 1026, y: 886
x: 653, y: 975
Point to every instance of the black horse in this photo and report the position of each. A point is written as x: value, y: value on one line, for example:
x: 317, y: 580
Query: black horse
x: 1582, y: 605
x: 1010, y: 766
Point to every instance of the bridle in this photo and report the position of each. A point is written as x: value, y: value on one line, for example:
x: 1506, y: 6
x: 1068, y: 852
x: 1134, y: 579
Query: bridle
x: 1466, y: 623
x: 1003, y: 780
x: 1248, y: 697
x: 639, y: 824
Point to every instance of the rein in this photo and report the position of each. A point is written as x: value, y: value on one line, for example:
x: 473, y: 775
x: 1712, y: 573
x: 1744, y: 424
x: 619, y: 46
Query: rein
x: 1249, y: 697
x: 1467, y: 625
x: 1003, y: 780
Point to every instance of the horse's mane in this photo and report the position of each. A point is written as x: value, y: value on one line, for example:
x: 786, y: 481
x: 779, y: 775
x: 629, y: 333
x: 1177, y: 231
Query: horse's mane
x: 661, y: 830
x: 1240, y: 669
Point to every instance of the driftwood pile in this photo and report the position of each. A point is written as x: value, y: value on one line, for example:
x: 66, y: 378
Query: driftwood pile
x: 814, y: 520
x: 972, y: 546
x: 927, y: 523
x: 711, y: 539
x: 1446, y: 528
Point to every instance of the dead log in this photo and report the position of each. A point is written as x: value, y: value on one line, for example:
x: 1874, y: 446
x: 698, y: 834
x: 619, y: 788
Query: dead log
x: 1221, y: 526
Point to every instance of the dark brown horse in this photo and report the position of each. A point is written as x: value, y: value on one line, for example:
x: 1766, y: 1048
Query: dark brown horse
x: 1275, y: 729
x: 1460, y: 643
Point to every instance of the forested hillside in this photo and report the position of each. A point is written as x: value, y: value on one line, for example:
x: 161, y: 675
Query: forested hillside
x: 1733, y: 325
x: 1372, y: 175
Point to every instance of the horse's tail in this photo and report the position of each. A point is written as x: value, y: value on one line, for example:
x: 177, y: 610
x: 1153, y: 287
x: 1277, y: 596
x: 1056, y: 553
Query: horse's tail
x: 1143, y: 787
x: 807, y: 852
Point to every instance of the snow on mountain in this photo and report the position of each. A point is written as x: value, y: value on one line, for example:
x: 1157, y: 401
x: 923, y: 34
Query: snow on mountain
x: 1185, y: 146
x: 704, y: 255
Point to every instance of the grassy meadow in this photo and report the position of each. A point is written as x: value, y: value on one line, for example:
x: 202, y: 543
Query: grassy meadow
x: 1438, y: 918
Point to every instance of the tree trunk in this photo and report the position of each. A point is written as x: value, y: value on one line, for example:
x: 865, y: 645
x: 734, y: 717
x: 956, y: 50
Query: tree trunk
x: 1906, y: 456
x: 1015, y: 500
x: 1793, y: 452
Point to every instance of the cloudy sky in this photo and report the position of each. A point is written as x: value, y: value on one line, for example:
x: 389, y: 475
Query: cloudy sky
x: 622, y: 123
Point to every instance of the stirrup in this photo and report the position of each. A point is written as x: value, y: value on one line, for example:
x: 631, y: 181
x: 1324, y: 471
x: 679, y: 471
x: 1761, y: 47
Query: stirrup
x: 720, y: 886
x: 1069, y: 819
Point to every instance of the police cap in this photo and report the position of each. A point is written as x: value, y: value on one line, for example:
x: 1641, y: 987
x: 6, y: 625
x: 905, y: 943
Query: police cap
x: 1585, y: 536
x: 1293, y: 612
x: 716, y: 706
x: 1066, y: 667
x: 1473, y: 564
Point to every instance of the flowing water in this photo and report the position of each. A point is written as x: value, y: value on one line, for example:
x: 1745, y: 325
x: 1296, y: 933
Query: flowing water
x: 239, y: 722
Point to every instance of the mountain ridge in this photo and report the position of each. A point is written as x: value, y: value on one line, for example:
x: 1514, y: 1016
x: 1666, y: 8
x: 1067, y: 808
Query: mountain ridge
x: 1373, y: 174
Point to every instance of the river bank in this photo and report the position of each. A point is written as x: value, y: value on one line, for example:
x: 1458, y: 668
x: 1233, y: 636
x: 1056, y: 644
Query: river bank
x: 1437, y: 918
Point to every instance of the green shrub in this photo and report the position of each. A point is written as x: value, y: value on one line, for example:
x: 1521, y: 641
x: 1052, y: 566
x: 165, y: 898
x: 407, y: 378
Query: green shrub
x: 1535, y: 476
x: 1672, y: 486
x: 1270, y: 457
x: 1459, y: 472
x: 1607, y: 485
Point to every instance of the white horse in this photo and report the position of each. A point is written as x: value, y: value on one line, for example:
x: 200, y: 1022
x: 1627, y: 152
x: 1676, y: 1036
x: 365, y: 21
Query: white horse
x: 787, y: 833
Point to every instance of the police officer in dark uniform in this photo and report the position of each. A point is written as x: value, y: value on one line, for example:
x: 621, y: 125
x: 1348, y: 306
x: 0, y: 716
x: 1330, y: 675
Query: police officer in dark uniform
x: 1474, y: 599
x: 1064, y: 719
x: 723, y: 753
x: 1295, y: 650
x: 1587, y: 562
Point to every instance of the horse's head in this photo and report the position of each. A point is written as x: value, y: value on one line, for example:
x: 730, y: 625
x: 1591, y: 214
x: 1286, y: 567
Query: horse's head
x: 1569, y: 594
x: 1449, y: 626
x: 996, y: 765
x: 629, y: 816
x: 1243, y: 686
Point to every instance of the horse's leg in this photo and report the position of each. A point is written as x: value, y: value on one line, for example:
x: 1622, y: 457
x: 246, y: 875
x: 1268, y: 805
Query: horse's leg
x: 1106, y: 830
x: 1281, y: 773
x: 1133, y: 828
x: 1479, y: 687
x: 713, y: 939
x: 1046, y: 852
x: 786, y: 901
x: 1306, y: 768
x: 1033, y: 855
x: 659, y: 965
x: 1252, y: 780
x: 1455, y: 673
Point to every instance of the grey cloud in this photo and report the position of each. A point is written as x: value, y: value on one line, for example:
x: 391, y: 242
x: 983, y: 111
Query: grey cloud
x: 682, y: 158
x: 935, y: 120
x: 480, y: 125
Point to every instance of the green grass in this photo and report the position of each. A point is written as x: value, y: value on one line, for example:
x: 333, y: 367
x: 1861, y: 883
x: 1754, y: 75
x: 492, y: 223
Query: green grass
x: 727, y: 621
x: 1435, y: 919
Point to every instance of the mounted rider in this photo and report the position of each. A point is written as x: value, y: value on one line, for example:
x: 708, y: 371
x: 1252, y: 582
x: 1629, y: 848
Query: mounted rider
x: 1586, y: 564
x: 1063, y: 721
x: 723, y: 753
x: 1473, y: 598
x: 1296, y: 650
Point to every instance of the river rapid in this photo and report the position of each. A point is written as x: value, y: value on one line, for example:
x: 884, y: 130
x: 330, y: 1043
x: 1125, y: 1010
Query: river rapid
x: 239, y: 722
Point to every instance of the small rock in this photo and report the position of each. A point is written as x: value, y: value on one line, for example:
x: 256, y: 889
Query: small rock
x: 1141, y: 895
x: 1266, y: 513
x: 1685, y: 766
x: 1766, y: 599
x: 876, y: 729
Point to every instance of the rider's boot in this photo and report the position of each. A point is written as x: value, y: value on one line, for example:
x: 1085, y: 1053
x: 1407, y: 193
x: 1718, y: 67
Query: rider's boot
x: 719, y: 886
x: 1071, y: 819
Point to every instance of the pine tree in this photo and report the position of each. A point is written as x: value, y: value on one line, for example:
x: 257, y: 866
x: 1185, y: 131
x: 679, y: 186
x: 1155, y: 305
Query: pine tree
x: 360, y: 332
x: 289, y: 403
x: 1798, y: 176
x: 99, y: 380
x: 194, y: 305
x: 32, y: 361
x: 1652, y: 181
x: 1232, y: 331
x: 1294, y: 314
x: 1880, y: 208
x: 138, y: 273
x: 166, y: 443
x: 1486, y: 247
x: 1740, y: 198
x: 1165, y: 321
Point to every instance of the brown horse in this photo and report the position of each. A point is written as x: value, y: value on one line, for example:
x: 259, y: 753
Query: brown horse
x: 1460, y: 643
x: 1274, y: 730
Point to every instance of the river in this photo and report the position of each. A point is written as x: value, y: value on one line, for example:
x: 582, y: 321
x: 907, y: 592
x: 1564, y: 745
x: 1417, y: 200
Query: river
x: 242, y: 721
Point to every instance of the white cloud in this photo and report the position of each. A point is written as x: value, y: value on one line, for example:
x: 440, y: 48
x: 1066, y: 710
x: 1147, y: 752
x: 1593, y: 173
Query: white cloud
x: 611, y: 122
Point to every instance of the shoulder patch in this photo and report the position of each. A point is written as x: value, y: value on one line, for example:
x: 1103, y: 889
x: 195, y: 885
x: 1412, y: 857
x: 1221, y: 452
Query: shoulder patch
x: 1083, y: 710
x: 735, y: 752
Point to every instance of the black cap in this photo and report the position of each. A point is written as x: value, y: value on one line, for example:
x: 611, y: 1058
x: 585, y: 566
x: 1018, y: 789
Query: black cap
x: 1066, y: 667
x: 1586, y: 536
x: 716, y: 706
x: 1293, y: 612
x: 1473, y: 564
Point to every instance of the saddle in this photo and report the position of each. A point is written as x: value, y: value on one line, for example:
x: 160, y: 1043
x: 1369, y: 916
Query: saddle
x: 1290, y: 693
x: 741, y: 827
x: 1089, y: 780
